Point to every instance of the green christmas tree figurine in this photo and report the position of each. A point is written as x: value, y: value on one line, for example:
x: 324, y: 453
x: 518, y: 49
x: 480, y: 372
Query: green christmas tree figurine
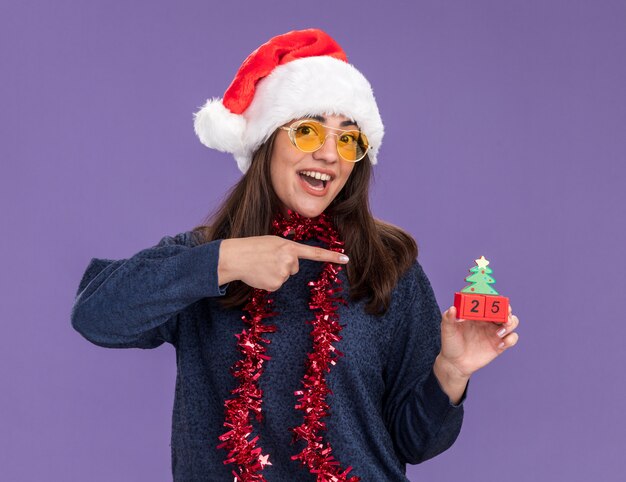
x: 479, y: 301
x: 480, y: 279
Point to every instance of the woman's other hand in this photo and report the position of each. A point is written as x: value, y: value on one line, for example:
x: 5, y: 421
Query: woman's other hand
x: 266, y: 262
x: 468, y: 345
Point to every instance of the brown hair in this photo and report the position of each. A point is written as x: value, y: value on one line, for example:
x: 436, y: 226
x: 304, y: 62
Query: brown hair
x: 380, y: 253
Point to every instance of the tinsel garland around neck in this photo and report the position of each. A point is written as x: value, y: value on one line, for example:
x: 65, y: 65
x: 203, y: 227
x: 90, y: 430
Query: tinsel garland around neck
x: 243, y: 451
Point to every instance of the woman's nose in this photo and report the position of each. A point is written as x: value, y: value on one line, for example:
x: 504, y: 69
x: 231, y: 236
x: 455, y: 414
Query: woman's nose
x: 328, y: 151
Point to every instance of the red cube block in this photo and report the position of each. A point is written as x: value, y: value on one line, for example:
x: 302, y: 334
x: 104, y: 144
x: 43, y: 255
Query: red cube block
x: 469, y: 306
x: 496, y: 308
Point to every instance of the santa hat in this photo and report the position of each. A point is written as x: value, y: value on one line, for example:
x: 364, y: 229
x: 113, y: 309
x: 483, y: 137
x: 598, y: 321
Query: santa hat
x: 297, y: 74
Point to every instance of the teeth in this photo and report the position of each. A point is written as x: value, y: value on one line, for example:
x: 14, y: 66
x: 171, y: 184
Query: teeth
x: 316, y: 175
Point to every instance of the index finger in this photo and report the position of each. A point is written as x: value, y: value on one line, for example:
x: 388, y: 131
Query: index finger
x: 304, y: 251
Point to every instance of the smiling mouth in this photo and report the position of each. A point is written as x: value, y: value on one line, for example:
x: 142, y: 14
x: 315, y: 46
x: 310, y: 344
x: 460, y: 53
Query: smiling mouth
x: 318, y: 184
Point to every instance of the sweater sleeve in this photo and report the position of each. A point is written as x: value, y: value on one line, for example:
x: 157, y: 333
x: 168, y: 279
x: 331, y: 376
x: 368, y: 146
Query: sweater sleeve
x: 134, y: 302
x: 422, y: 420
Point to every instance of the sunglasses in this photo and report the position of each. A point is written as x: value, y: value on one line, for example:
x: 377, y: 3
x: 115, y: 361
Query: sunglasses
x: 309, y: 136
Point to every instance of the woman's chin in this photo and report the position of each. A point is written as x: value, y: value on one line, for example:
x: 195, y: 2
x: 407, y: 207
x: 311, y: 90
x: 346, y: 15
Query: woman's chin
x: 308, y: 211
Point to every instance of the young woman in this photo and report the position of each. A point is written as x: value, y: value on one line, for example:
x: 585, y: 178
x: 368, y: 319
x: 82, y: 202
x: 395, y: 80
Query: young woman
x: 308, y: 339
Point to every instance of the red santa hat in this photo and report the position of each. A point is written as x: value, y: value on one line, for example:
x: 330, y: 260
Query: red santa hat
x: 297, y: 74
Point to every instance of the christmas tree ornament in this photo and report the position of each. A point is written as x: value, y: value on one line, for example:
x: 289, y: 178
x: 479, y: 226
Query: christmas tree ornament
x: 479, y: 300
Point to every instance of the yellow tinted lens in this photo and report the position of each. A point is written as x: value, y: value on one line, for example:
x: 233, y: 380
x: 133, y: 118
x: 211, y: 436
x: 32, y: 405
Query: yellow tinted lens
x: 352, y: 145
x: 309, y: 136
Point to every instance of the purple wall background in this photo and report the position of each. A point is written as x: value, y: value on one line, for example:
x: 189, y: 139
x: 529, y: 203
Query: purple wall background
x: 506, y: 136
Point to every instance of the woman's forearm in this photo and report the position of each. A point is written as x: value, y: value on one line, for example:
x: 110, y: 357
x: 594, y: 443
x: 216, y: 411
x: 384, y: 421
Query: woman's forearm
x: 452, y: 382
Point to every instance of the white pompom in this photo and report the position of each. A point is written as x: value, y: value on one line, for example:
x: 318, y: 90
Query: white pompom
x: 218, y: 128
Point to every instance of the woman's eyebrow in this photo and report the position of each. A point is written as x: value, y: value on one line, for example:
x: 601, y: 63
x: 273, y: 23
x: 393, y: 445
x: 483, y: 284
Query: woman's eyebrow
x: 347, y: 123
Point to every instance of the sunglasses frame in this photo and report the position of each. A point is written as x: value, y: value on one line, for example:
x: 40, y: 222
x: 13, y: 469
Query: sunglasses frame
x: 292, y: 132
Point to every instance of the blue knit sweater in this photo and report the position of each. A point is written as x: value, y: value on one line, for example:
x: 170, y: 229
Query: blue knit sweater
x: 387, y: 408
